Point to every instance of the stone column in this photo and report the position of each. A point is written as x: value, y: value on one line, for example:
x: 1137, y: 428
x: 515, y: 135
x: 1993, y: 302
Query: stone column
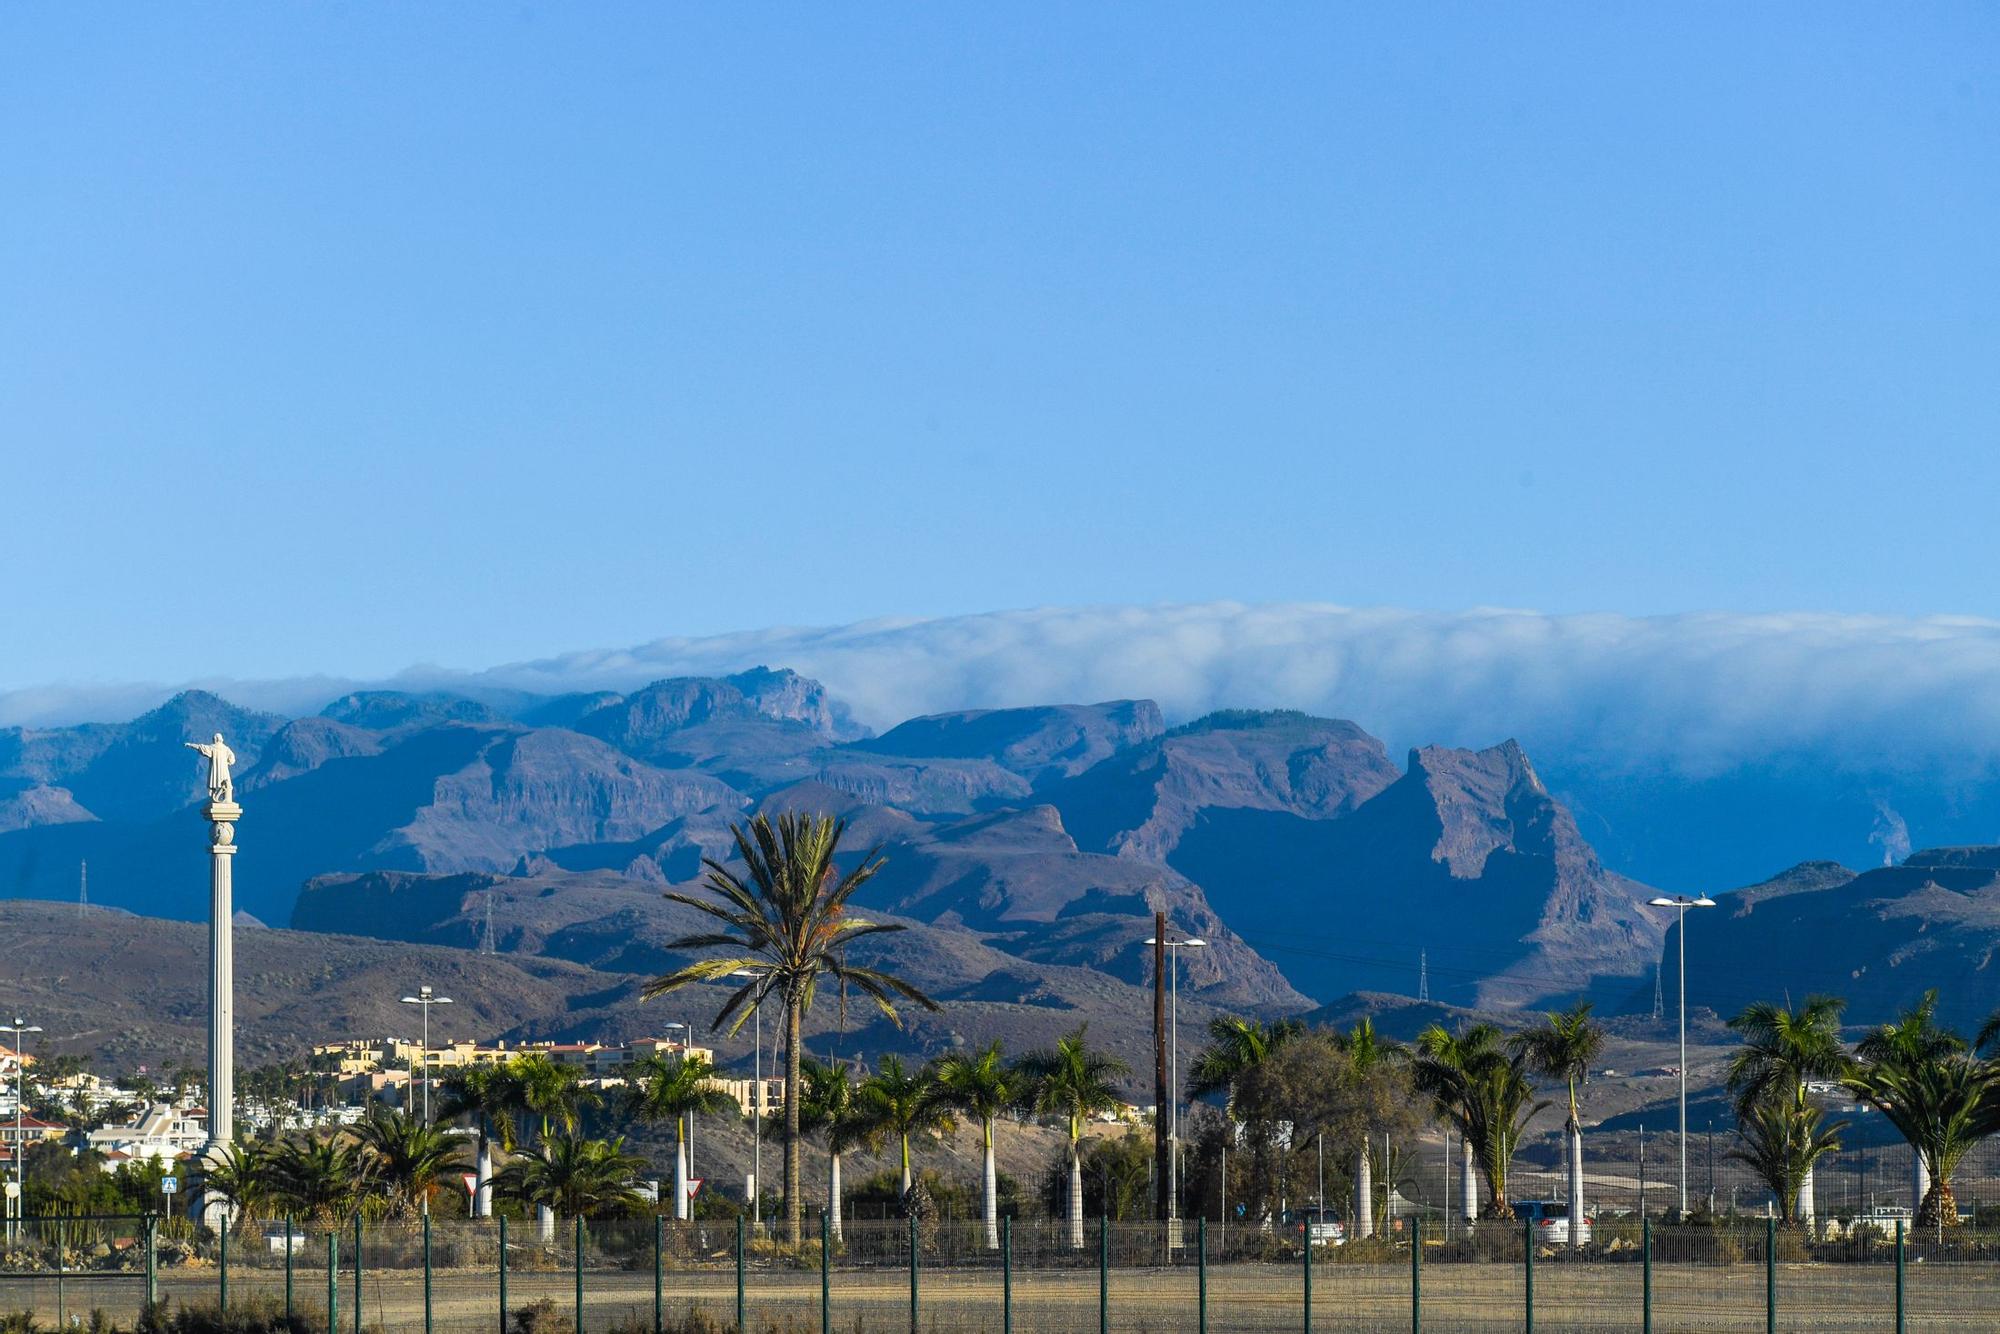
x: 222, y: 817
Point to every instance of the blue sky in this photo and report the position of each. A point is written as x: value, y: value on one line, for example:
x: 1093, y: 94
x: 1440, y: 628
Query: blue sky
x: 340, y: 338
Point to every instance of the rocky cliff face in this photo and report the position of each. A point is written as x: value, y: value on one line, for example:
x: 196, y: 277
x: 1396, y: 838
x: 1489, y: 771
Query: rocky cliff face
x: 1039, y: 744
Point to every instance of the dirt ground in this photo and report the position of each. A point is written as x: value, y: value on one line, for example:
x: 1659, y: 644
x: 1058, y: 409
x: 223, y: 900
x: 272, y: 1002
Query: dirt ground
x: 968, y: 1299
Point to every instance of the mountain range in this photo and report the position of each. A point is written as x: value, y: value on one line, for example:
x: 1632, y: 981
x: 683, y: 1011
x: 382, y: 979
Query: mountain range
x: 1026, y: 848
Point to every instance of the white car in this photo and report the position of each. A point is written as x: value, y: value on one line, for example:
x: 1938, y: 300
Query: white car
x: 1551, y: 1221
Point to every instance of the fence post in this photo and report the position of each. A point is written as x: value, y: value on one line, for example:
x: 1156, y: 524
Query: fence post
x: 1416, y: 1276
x: 152, y: 1259
x: 1646, y: 1275
x: 659, y: 1273
x: 332, y: 1281
x: 427, y: 1276
x: 1528, y: 1272
x: 62, y: 1307
x: 222, y: 1227
x: 913, y: 1274
x: 1770, y: 1276
x: 503, y: 1274
x: 1899, y: 1276
x: 1007, y: 1275
x: 739, y: 1275
x: 1306, y: 1260
x: 288, y: 1266
x: 825, y: 1273
x: 357, y: 1274
x: 1201, y: 1273
x: 1103, y: 1275
x: 579, y: 1275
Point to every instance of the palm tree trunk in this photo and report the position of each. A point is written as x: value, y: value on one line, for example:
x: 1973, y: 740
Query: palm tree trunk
x: 545, y: 1224
x: 1920, y: 1180
x: 794, y: 1201
x: 906, y: 1168
x: 1939, y: 1208
x: 1575, y: 1164
x: 1468, y: 1183
x: 682, y: 1203
x: 833, y: 1191
x: 1804, y: 1212
x: 1364, y: 1195
x: 992, y: 1203
x: 483, y: 1192
x: 1075, y: 1193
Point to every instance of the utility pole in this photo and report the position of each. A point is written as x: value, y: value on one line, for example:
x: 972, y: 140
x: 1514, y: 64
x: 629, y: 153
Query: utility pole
x: 1162, y: 1152
x: 1659, y: 1005
x: 1423, y: 976
x: 82, y: 890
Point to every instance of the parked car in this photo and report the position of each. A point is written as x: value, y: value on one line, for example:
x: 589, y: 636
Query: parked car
x: 1323, y: 1224
x: 1551, y: 1220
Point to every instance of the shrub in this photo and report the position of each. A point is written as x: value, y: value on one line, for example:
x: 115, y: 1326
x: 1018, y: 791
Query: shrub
x: 542, y: 1317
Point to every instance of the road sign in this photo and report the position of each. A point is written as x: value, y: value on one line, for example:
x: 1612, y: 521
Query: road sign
x: 694, y: 1186
x: 471, y: 1183
x: 13, y: 1190
x: 168, y: 1185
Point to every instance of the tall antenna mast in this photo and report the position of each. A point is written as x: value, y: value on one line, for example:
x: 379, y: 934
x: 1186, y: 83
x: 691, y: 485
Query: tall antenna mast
x: 1659, y: 1009
x: 486, y: 938
x: 82, y: 888
x: 1423, y: 975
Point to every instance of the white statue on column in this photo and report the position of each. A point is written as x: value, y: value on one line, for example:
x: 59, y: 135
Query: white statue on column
x: 220, y: 786
x: 221, y: 812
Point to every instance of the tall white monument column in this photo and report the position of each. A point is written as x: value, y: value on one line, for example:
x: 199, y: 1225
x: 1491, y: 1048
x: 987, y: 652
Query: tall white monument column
x: 222, y: 813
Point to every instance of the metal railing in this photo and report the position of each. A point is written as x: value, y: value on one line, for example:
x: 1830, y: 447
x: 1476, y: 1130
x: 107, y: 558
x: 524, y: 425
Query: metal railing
x: 631, y: 1276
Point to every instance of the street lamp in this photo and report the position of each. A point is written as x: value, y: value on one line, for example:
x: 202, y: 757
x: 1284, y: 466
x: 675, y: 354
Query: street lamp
x: 17, y: 1028
x: 1174, y: 1058
x: 756, y: 1107
x: 1681, y: 903
x: 425, y: 999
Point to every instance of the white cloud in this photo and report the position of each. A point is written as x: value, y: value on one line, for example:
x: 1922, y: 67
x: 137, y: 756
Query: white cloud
x: 1692, y: 692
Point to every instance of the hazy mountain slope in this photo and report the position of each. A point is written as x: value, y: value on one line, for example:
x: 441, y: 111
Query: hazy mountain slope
x: 1141, y: 801
x: 1466, y: 857
x: 1879, y: 939
x: 1040, y: 744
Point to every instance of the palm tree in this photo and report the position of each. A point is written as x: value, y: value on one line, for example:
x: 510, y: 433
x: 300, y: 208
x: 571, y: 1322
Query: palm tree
x: 408, y: 1158
x: 243, y: 1175
x: 1236, y: 1046
x: 1564, y: 1047
x: 1923, y: 1079
x: 551, y: 1095
x: 831, y: 1105
x: 899, y: 1101
x: 575, y: 1177
x: 1782, y: 1051
x: 1074, y: 1082
x: 1367, y: 1055
x: 1485, y: 1094
x: 982, y: 1086
x: 788, y: 924
x: 661, y: 1089
x: 487, y: 1094
x: 1782, y: 1140
x: 320, y: 1177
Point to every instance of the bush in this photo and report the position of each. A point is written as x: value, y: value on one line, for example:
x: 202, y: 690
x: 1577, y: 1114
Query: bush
x: 542, y: 1317
x: 250, y: 1315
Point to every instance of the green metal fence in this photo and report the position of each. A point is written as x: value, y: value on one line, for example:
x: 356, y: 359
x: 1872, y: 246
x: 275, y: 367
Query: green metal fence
x: 447, y: 1275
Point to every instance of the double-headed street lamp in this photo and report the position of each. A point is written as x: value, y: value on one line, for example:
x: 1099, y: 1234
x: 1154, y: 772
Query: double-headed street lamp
x: 17, y: 1028
x: 1681, y: 903
x: 426, y: 998
x: 1174, y: 1059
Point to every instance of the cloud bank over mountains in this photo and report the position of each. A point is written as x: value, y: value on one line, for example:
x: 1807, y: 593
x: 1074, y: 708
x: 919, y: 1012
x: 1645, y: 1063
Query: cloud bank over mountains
x: 1692, y: 694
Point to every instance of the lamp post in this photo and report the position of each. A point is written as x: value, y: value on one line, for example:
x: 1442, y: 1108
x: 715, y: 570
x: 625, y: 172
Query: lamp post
x: 756, y: 1106
x: 1681, y: 903
x: 1174, y: 1058
x: 424, y: 999
x: 18, y: 1205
